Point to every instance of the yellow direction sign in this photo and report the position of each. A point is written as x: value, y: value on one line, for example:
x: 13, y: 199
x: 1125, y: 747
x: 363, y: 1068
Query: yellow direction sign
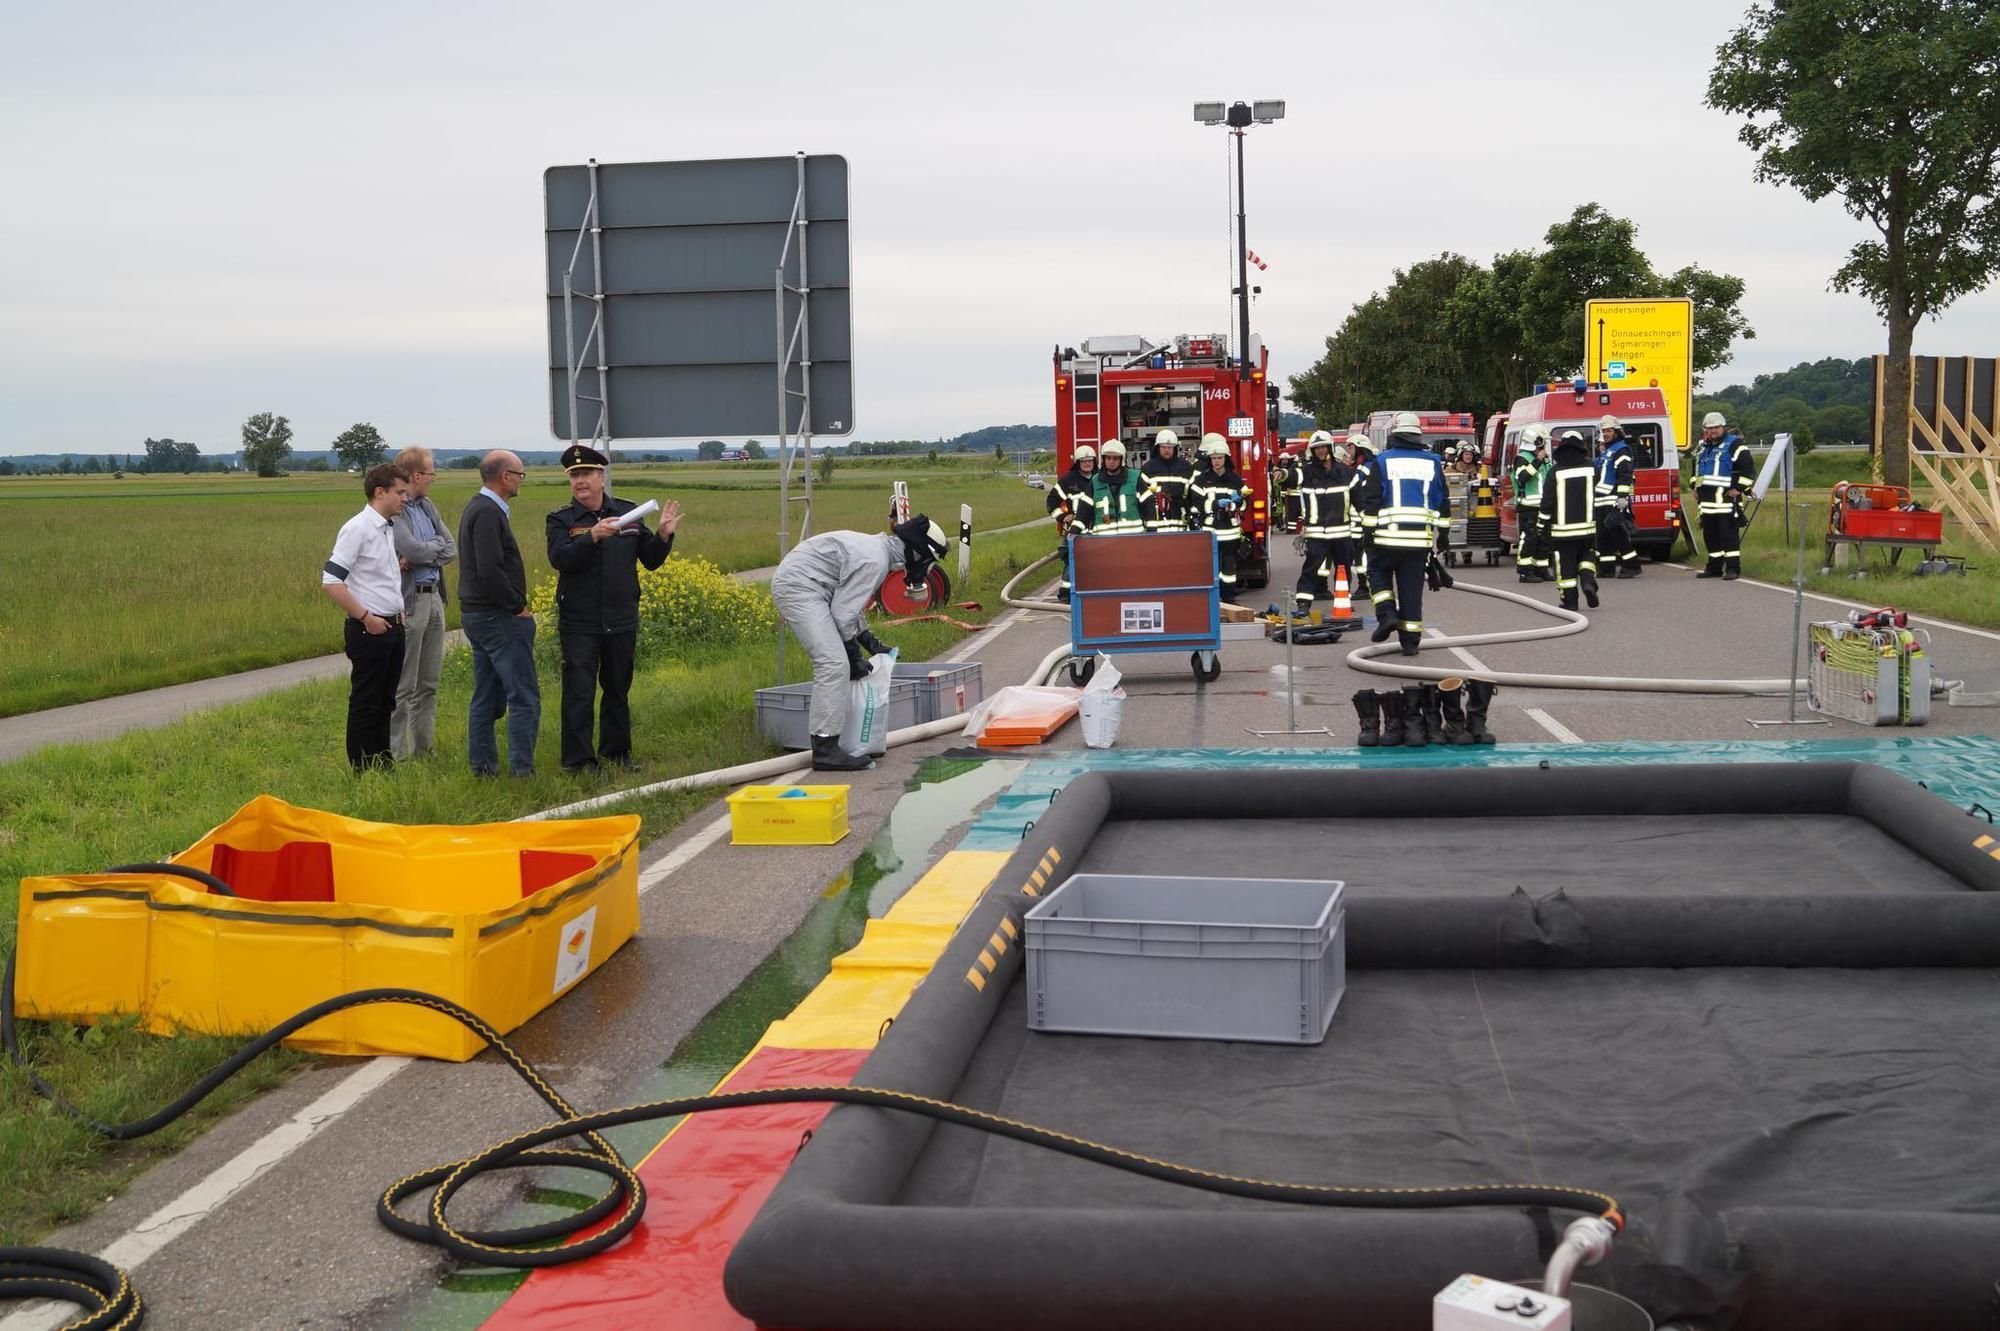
x: 1645, y: 343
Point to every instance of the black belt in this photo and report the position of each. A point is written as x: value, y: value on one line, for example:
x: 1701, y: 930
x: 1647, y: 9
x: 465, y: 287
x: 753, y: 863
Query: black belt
x: 431, y: 587
x: 393, y: 621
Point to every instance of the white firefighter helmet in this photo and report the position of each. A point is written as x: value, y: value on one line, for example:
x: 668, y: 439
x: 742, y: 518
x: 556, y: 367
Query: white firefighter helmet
x: 1319, y: 437
x: 1166, y: 439
x: 1111, y: 448
x: 1571, y: 437
x: 1214, y: 446
x: 1610, y: 423
x: 1534, y: 436
x: 1084, y: 453
x: 1407, y: 423
x: 1714, y: 421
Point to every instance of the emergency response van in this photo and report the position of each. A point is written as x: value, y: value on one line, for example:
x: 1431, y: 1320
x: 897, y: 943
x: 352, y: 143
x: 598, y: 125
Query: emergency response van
x: 1656, y: 488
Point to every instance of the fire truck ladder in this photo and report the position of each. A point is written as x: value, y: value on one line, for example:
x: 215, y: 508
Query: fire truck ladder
x: 1086, y: 415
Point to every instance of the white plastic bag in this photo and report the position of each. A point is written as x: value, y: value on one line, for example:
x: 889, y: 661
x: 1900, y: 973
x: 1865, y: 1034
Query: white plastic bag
x: 1100, y: 711
x: 866, y: 734
x: 1016, y: 700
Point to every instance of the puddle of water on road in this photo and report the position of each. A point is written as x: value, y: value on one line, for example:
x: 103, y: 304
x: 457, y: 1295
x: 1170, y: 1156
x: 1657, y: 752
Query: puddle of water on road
x: 940, y: 795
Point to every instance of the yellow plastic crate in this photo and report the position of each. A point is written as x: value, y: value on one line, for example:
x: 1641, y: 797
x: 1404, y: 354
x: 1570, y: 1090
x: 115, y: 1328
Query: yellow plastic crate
x: 770, y: 816
x: 502, y: 918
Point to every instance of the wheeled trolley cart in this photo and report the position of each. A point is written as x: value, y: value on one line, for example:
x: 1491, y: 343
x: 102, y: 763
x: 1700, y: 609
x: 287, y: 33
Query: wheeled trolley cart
x: 1150, y: 592
x: 1862, y: 516
x: 1870, y: 676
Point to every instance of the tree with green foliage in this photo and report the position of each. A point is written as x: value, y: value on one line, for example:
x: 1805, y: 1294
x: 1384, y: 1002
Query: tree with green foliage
x: 360, y: 447
x: 826, y: 467
x: 708, y: 450
x: 318, y: 464
x: 1894, y: 106
x: 1453, y: 334
x: 267, y: 442
x: 754, y: 450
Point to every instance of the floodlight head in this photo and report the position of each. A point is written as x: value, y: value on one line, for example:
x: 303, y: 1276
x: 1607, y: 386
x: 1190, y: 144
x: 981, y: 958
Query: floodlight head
x: 1266, y: 112
x: 1239, y: 115
x: 1208, y: 113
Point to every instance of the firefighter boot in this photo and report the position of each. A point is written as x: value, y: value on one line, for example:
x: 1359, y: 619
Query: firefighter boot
x: 1568, y: 601
x: 1451, y: 702
x: 1478, y: 697
x: 1369, y: 709
x: 1434, y: 715
x: 1385, y: 625
x: 1589, y: 581
x: 1393, y: 717
x: 828, y: 756
x: 1734, y: 570
x: 1414, y: 734
x: 1411, y: 643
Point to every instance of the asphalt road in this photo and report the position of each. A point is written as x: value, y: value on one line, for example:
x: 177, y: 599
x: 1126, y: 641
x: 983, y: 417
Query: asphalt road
x: 299, y: 1246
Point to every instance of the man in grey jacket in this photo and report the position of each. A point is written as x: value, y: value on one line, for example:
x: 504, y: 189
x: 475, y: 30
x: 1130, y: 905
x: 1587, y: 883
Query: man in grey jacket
x: 823, y: 588
x: 423, y: 547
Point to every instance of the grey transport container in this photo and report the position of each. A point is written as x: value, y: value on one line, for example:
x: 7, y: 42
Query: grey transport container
x: 782, y: 711
x: 1188, y: 958
x: 944, y: 688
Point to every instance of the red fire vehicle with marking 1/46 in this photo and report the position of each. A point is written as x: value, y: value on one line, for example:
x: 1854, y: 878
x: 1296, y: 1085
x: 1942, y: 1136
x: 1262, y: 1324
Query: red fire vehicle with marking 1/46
x: 1130, y: 388
x: 1642, y: 412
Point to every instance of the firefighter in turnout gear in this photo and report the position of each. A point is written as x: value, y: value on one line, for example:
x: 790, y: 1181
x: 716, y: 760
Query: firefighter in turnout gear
x: 1120, y: 496
x: 1531, y: 557
x: 1168, y: 473
x: 1722, y: 473
x: 1070, y: 506
x: 1404, y: 494
x: 1325, y: 492
x: 1361, y: 460
x: 1568, y: 518
x: 1613, y: 494
x: 1288, y: 477
x: 1215, y: 502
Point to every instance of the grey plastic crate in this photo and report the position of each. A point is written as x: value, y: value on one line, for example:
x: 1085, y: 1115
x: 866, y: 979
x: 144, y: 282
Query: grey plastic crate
x: 782, y: 712
x: 1190, y: 958
x: 943, y: 687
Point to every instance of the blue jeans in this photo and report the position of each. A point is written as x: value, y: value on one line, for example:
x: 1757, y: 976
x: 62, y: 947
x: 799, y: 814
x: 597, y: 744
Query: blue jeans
x: 503, y: 683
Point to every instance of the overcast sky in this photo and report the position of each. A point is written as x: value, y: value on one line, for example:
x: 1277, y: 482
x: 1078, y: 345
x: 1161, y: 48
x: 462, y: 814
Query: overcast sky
x: 334, y: 212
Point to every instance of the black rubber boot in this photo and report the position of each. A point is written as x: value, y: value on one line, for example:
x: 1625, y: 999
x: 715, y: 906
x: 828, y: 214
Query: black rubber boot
x: 1713, y: 570
x: 1589, y: 583
x: 1478, y: 697
x: 1393, y: 718
x: 1451, y: 703
x: 1569, y: 599
x: 1411, y: 643
x: 828, y: 756
x: 1370, y: 711
x: 1434, y: 715
x: 1414, y: 734
x: 1385, y: 627
x: 1734, y: 571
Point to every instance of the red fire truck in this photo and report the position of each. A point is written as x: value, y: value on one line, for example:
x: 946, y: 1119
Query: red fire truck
x: 1442, y: 429
x: 1129, y: 388
x: 1656, y: 486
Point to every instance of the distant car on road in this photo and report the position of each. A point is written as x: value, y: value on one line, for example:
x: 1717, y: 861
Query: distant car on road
x: 1035, y: 481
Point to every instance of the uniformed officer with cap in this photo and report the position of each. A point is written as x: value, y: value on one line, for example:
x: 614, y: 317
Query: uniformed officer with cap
x: 596, y: 559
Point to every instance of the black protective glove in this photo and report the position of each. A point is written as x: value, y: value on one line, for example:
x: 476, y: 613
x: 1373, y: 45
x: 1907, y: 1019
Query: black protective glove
x: 872, y: 644
x: 857, y: 665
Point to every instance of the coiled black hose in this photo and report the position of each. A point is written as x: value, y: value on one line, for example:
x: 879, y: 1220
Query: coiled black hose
x: 112, y: 1303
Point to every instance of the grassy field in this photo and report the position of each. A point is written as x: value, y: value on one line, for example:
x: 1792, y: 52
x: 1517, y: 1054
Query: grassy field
x: 108, y: 586
x: 151, y: 793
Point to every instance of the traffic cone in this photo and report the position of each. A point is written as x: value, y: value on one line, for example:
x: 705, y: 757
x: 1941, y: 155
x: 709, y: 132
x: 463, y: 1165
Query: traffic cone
x: 1343, y: 601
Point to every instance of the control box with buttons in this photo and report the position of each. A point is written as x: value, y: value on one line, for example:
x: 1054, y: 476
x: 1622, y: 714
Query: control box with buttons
x: 1474, y: 1303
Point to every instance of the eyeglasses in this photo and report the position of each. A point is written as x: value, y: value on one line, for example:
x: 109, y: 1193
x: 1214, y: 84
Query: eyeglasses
x: 522, y: 474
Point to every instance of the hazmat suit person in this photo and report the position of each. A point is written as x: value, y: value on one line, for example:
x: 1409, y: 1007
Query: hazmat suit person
x: 822, y: 588
x: 1568, y: 519
x: 1324, y: 495
x: 1216, y: 497
x: 1120, y: 496
x: 1071, y: 506
x: 1531, y: 557
x: 1723, y: 473
x: 1613, y: 496
x: 1405, y: 495
x: 1168, y: 473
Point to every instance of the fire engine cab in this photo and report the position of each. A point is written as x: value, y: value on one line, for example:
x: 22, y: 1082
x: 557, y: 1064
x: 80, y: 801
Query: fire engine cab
x: 1442, y: 429
x: 1130, y: 388
x: 1656, y: 486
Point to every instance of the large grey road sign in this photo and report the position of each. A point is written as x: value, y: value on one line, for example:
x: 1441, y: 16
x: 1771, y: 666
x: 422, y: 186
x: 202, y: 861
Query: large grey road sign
x: 672, y: 328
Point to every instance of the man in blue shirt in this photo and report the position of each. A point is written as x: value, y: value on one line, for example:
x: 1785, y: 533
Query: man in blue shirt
x: 423, y: 547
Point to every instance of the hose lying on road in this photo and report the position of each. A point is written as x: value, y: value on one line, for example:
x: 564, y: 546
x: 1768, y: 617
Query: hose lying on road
x: 112, y: 1304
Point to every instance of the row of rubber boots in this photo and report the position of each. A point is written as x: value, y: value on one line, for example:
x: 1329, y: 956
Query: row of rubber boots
x: 1451, y: 711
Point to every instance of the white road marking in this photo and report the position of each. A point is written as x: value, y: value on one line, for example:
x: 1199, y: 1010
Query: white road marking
x: 1562, y: 732
x: 1865, y: 605
x: 669, y: 863
x: 181, y: 1214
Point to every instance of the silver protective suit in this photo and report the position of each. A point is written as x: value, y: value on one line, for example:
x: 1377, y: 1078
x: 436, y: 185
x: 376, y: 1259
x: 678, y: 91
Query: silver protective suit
x: 823, y: 588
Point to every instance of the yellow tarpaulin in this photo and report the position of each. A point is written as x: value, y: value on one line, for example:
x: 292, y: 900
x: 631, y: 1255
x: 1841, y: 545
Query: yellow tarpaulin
x: 500, y: 917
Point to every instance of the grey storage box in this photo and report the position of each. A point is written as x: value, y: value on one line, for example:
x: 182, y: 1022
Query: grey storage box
x: 944, y: 688
x: 782, y: 711
x: 1192, y: 958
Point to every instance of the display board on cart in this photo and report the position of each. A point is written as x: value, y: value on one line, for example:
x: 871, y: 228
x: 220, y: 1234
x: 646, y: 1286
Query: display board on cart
x: 1954, y: 436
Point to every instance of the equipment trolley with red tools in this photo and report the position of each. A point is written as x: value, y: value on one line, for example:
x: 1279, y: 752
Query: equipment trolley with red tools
x: 1881, y: 515
x: 1151, y: 592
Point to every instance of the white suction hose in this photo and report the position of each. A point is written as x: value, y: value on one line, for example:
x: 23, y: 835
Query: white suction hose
x: 1029, y: 603
x: 1362, y: 659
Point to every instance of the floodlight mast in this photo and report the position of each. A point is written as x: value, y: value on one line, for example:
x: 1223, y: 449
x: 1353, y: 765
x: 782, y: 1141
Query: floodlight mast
x: 1239, y: 117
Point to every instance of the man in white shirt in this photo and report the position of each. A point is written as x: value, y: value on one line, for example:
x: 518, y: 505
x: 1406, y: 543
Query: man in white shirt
x: 364, y: 579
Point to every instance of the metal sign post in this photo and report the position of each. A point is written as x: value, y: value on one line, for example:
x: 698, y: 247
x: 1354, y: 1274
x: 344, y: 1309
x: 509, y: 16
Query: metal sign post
x: 1792, y: 717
